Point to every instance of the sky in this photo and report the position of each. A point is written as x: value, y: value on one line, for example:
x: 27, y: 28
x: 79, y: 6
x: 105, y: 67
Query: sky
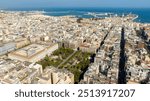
x: 74, y: 3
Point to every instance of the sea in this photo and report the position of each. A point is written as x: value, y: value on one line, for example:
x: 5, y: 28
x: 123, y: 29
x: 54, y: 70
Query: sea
x: 143, y: 13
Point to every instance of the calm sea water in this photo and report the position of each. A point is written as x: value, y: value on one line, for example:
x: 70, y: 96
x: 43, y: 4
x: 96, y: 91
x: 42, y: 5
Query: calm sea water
x: 143, y: 13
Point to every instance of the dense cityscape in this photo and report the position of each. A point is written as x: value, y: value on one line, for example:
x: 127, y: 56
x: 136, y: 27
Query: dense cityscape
x: 41, y: 49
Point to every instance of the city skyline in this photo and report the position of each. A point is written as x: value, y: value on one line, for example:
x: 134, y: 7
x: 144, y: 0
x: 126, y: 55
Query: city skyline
x: 74, y: 3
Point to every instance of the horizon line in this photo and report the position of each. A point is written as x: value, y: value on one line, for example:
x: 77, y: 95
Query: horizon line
x: 74, y: 7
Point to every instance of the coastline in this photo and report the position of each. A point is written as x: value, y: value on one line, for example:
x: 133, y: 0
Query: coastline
x: 143, y: 13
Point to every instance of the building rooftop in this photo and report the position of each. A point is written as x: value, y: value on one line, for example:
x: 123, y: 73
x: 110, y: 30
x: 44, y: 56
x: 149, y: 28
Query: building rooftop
x: 29, y: 51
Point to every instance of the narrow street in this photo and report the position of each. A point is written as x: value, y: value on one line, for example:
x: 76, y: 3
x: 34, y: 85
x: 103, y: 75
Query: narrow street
x: 122, y: 61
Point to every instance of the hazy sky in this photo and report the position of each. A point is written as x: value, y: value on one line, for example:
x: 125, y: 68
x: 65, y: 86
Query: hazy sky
x: 74, y: 3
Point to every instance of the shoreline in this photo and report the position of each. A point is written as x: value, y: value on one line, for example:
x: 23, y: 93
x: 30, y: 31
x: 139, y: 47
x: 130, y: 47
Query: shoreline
x: 84, y: 13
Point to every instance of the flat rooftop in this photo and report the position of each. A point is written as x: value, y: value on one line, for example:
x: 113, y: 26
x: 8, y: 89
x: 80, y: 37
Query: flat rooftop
x: 33, y: 52
x: 30, y: 50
